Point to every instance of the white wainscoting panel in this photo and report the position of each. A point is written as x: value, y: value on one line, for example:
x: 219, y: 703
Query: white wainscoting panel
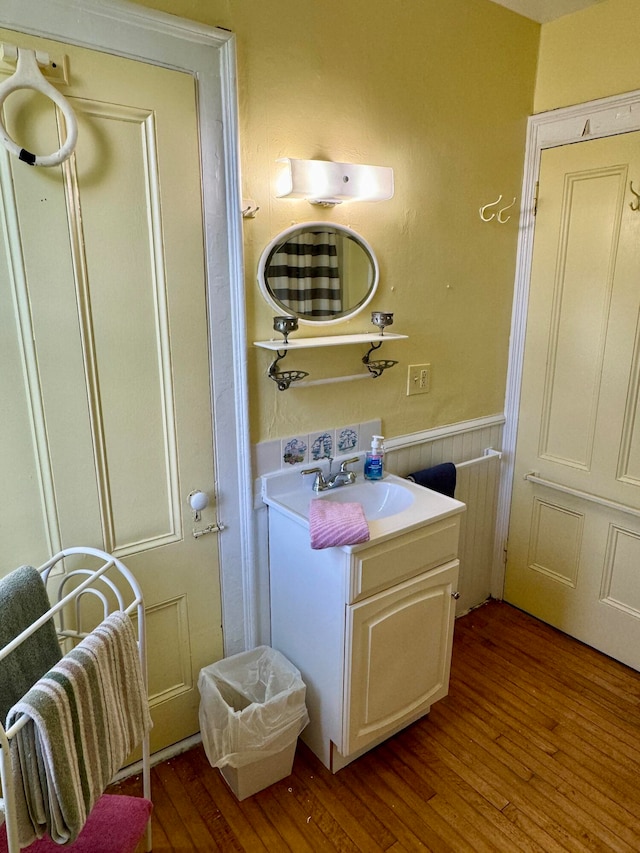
x: 476, y: 485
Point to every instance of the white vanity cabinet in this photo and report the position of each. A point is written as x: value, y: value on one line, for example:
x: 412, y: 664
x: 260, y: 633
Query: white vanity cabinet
x: 370, y: 627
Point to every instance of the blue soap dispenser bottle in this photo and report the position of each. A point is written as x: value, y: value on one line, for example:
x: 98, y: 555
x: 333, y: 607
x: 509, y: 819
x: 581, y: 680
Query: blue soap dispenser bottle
x: 374, y: 459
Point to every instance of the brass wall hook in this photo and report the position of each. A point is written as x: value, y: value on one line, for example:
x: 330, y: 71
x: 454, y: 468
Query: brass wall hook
x: 491, y: 204
x: 502, y: 210
x: 499, y: 215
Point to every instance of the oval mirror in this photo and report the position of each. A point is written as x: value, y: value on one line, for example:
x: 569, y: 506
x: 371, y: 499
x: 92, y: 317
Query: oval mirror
x: 319, y: 272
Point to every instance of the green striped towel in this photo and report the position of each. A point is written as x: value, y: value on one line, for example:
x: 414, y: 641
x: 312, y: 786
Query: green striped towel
x: 86, y: 715
x: 23, y: 600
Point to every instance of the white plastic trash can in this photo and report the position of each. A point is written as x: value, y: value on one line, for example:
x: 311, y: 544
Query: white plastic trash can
x: 252, y: 709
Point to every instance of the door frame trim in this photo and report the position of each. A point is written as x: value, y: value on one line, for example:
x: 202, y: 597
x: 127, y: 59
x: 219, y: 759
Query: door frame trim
x: 125, y: 29
x: 580, y: 123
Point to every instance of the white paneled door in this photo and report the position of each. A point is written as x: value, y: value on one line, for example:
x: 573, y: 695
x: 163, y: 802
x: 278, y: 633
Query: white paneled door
x: 104, y: 379
x: 574, y: 537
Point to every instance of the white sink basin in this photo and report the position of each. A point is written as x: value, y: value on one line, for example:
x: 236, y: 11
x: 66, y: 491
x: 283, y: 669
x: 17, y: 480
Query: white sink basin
x: 391, y: 505
x: 378, y: 499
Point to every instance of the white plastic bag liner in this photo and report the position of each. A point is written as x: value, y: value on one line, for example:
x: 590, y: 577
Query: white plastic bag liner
x: 252, y: 706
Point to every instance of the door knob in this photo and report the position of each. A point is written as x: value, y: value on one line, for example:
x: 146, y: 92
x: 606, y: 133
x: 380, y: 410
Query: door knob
x: 198, y: 500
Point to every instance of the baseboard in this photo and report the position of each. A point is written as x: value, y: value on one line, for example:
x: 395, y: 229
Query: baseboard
x: 160, y: 756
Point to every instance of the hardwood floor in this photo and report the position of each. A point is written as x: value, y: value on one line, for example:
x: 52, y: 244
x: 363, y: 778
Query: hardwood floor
x: 536, y: 748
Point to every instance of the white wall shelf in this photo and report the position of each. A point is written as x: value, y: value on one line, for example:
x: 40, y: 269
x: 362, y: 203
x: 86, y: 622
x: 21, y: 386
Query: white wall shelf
x: 328, y: 341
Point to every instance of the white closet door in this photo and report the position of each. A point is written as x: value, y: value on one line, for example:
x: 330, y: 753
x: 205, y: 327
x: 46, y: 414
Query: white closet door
x: 574, y: 550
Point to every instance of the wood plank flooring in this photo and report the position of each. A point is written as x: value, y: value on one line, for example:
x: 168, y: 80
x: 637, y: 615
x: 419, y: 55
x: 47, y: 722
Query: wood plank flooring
x: 536, y: 748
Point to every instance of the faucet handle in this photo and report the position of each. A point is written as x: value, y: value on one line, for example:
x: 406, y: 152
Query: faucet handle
x: 319, y: 483
x: 343, y: 465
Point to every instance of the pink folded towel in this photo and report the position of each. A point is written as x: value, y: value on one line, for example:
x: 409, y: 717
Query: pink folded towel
x: 332, y: 523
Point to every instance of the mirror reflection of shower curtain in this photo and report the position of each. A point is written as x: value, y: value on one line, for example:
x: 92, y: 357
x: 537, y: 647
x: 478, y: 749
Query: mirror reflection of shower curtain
x: 305, y: 275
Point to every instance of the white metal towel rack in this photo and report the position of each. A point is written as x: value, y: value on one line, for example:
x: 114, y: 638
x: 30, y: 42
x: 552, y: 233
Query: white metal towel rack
x: 487, y: 454
x: 119, y: 591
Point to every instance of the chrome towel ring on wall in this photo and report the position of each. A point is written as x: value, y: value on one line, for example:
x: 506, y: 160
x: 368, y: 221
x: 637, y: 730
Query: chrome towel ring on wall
x: 29, y: 76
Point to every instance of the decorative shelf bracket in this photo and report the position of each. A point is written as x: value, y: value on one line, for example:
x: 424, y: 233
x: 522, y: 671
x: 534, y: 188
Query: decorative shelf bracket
x: 376, y: 368
x: 284, y: 378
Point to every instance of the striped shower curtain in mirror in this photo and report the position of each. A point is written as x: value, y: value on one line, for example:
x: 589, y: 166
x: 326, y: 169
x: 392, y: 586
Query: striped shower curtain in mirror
x: 304, y: 274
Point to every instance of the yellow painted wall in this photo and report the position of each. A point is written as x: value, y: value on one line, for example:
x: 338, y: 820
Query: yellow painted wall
x: 439, y: 91
x: 588, y: 55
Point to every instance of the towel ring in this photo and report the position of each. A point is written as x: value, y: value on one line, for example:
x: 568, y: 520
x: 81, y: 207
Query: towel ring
x: 28, y: 76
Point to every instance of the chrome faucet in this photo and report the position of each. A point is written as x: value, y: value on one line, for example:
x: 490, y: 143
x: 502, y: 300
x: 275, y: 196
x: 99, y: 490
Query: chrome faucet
x: 343, y: 477
x: 340, y: 478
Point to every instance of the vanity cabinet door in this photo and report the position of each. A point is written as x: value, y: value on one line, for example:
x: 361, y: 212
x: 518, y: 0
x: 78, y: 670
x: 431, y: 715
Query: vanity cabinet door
x: 398, y: 655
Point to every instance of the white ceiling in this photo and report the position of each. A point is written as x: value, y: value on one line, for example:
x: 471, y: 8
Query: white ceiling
x: 544, y: 11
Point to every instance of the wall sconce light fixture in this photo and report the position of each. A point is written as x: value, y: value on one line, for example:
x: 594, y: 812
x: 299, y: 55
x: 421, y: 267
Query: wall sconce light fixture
x: 326, y: 183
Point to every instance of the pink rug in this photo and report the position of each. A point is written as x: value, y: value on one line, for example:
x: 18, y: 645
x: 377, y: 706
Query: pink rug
x: 116, y: 825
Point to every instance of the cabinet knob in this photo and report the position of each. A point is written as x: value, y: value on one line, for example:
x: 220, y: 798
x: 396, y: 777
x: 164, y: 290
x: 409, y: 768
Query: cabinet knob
x: 455, y: 595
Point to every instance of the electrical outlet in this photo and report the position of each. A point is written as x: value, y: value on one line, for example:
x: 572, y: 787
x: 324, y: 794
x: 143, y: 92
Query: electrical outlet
x: 418, y: 379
